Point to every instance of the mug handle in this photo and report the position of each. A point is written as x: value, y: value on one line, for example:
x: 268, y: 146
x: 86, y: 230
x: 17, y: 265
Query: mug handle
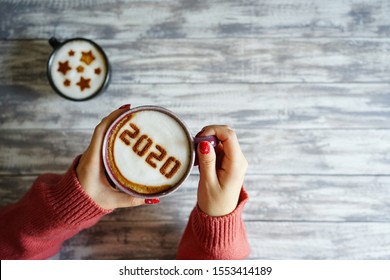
x: 54, y: 42
x: 212, y: 139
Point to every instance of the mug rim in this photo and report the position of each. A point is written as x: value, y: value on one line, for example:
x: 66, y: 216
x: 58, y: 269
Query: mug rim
x: 105, y: 151
x: 107, y: 77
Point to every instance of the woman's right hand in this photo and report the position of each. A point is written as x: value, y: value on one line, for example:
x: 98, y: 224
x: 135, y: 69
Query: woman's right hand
x: 90, y: 171
x: 221, y: 170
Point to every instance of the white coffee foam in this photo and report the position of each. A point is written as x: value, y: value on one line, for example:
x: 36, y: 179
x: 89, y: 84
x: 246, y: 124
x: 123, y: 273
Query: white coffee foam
x: 166, y: 132
x: 62, y: 55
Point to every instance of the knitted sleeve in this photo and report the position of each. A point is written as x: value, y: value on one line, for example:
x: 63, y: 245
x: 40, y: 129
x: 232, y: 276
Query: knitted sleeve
x: 215, y: 238
x: 53, y: 210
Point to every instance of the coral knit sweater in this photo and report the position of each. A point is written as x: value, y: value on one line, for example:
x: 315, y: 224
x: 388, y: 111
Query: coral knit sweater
x: 56, y: 208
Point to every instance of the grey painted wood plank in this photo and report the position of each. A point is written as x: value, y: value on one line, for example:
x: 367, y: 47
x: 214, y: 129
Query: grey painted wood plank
x: 275, y: 198
x: 319, y: 240
x: 52, y: 150
x: 352, y: 152
x: 268, y: 240
x: 224, y: 60
x: 269, y: 151
x: 318, y: 151
x: 256, y: 106
x: 193, y: 19
x: 118, y: 240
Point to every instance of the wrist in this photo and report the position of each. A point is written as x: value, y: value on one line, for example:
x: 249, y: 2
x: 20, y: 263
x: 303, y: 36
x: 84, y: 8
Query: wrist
x: 222, y: 237
x: 213, y: 208
x: 71, y: 203
x: 82, y: 174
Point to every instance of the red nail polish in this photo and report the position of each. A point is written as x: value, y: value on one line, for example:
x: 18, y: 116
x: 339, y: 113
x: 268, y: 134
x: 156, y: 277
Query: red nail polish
x: 204, y: 147
x: 152, y: 200
x: 126, y: 106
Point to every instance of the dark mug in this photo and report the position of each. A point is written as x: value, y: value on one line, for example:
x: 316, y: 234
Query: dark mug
x: 78, y: 68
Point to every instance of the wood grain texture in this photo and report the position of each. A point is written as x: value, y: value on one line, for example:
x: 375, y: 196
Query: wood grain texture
x: 305, y: 240
x: 256, y: 106
x: 275, y: 198
x: 122, y: 240
x: 268, y: 151
x: 226, y: 60
x: 272, y: 240
x: 193, y: 19
x: 305, y: 83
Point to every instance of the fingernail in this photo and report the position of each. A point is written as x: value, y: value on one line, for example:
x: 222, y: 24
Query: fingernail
x: 152, y: 201
x: 204, y: 147
x: 126, y: 106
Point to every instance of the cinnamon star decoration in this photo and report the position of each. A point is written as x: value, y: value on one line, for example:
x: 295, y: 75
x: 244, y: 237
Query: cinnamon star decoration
x: 67, y: 83
x: 98, y: 71
x: 84, y: 83
x: 64, y: 67
x: 87, y: 57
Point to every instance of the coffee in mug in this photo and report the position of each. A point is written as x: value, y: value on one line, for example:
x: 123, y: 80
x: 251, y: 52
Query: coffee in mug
x: 78, y: 69
x: 148, y: 152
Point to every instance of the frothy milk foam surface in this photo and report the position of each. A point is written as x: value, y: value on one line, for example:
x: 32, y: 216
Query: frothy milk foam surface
x: 162, y: 131
x: 78, y: 69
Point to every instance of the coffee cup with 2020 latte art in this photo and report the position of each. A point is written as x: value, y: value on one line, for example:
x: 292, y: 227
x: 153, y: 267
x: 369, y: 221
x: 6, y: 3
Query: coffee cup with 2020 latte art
x: 149, y: 152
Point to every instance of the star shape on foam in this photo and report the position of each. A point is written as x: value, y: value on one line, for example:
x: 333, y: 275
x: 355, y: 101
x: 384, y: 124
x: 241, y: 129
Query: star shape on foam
x: 64, y: 67
x: 87, y: 57
x: 71, y: 53
x: 98, y: 71
x: 80, y: 69
x: 84, y: 83
x: 67, y: 83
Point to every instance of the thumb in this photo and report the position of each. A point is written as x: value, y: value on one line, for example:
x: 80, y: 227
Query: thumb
x: 207, y: 162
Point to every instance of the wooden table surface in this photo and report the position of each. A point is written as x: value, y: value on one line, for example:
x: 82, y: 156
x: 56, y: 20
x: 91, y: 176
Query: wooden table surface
x: 305, y: 84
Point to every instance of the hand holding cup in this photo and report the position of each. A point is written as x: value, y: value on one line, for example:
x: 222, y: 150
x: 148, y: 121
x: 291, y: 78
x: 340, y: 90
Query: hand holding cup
x: 222, y: 172
x: 91, y: 174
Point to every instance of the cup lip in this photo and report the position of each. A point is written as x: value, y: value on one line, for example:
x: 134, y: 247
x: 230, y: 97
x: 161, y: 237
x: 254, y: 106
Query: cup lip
x: 101, y: 89
x: 105, y: 151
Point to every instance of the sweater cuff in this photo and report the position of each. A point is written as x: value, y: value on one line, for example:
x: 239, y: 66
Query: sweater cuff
x: 71, y: 204
x: 216, y: 233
